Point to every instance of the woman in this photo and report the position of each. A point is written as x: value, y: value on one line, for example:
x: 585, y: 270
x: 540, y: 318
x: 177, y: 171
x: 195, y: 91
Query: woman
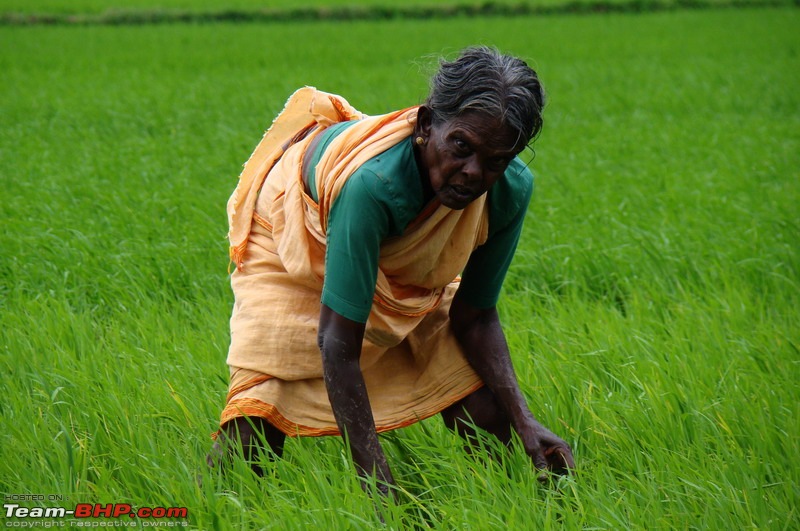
x: 347, y: 233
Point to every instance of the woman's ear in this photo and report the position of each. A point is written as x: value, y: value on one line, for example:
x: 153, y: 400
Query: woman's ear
x: 424, y: 121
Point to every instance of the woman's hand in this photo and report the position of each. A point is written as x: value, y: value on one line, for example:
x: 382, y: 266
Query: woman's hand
x: 482, y: 339
x: 548, y: 451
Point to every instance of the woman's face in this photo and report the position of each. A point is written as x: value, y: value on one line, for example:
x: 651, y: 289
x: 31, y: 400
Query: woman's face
x: 464, y: 157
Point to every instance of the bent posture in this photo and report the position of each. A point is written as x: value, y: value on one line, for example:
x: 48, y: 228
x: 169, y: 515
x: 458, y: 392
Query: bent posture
x: 349, y: 234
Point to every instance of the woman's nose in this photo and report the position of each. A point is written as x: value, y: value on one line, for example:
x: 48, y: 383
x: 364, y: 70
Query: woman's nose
x: 472, y: 170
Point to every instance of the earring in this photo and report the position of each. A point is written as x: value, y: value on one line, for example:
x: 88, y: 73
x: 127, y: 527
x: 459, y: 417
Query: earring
x: 420, y: 140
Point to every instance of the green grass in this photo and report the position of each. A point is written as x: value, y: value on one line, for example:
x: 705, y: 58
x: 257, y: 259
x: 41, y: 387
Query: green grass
x: 99, y: 6
x: 111, y: 6
x: 652, y: 307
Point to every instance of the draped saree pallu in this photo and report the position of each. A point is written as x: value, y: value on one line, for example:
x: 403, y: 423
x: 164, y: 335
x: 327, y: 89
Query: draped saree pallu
x: 412, y: 364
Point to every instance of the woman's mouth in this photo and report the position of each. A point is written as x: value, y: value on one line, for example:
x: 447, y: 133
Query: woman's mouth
x: 461, y: 193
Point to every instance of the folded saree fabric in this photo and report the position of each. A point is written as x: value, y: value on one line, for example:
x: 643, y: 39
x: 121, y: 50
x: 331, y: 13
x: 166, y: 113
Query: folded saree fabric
x: 412, y: 364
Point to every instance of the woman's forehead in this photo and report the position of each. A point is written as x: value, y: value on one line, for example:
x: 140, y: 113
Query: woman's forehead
x: 490, y: 131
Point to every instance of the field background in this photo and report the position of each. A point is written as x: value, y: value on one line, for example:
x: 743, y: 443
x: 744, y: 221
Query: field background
x: 97, y: 6
x: 114, y: 9
x: 652, y: 309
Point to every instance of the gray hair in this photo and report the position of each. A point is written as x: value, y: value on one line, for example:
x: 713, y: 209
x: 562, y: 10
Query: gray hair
x: 484, y: 80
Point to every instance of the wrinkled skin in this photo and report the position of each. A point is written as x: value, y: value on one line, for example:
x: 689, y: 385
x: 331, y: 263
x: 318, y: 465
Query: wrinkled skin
x: 458, y: 161
x: 461, y: 159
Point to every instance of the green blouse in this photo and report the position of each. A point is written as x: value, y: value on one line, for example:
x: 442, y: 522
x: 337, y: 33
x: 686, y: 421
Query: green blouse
x: 379, y: 201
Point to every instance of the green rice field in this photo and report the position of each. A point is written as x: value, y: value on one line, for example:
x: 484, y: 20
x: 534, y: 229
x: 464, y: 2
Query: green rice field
x: 97, y: 6
x: 101, y: 6
x: 652, y: 308
x: 135, y: 12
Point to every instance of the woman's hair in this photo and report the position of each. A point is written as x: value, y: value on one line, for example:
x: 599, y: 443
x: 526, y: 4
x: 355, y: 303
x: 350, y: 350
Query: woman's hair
x: 483, y: 80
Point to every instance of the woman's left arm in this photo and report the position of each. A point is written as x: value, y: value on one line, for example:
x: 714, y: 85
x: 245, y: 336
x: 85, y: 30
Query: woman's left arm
x: 481, y: 337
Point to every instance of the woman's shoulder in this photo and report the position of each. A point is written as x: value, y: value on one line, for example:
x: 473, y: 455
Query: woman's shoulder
x: 518, y: 175
x: 395, y: 164
x: 394, y: 174
x: 392, y: 181
x: 513, y: 192
x: 509, y: 197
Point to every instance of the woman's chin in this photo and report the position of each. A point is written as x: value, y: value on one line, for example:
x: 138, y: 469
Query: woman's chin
x: 454, y: 201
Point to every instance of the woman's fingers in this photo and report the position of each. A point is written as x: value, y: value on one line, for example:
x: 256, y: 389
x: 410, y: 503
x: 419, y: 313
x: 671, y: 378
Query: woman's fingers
x: 550, y: 454
x: 560, y: 459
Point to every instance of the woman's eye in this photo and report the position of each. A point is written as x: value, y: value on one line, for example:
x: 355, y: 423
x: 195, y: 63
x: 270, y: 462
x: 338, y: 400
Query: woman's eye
x: 461, y: 146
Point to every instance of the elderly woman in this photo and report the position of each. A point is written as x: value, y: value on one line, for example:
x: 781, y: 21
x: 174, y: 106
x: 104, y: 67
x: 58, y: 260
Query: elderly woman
x: 349, y: 233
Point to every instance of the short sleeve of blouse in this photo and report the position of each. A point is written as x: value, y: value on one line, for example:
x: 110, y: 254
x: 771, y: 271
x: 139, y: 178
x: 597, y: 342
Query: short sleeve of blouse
x: 356, y: 228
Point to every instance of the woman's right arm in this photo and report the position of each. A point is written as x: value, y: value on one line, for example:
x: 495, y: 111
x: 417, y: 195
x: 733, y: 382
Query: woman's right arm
x: 340, y: 342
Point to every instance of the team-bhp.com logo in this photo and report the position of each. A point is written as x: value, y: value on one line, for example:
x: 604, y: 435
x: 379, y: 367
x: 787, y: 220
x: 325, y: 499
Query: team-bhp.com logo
x: 94, y: 515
